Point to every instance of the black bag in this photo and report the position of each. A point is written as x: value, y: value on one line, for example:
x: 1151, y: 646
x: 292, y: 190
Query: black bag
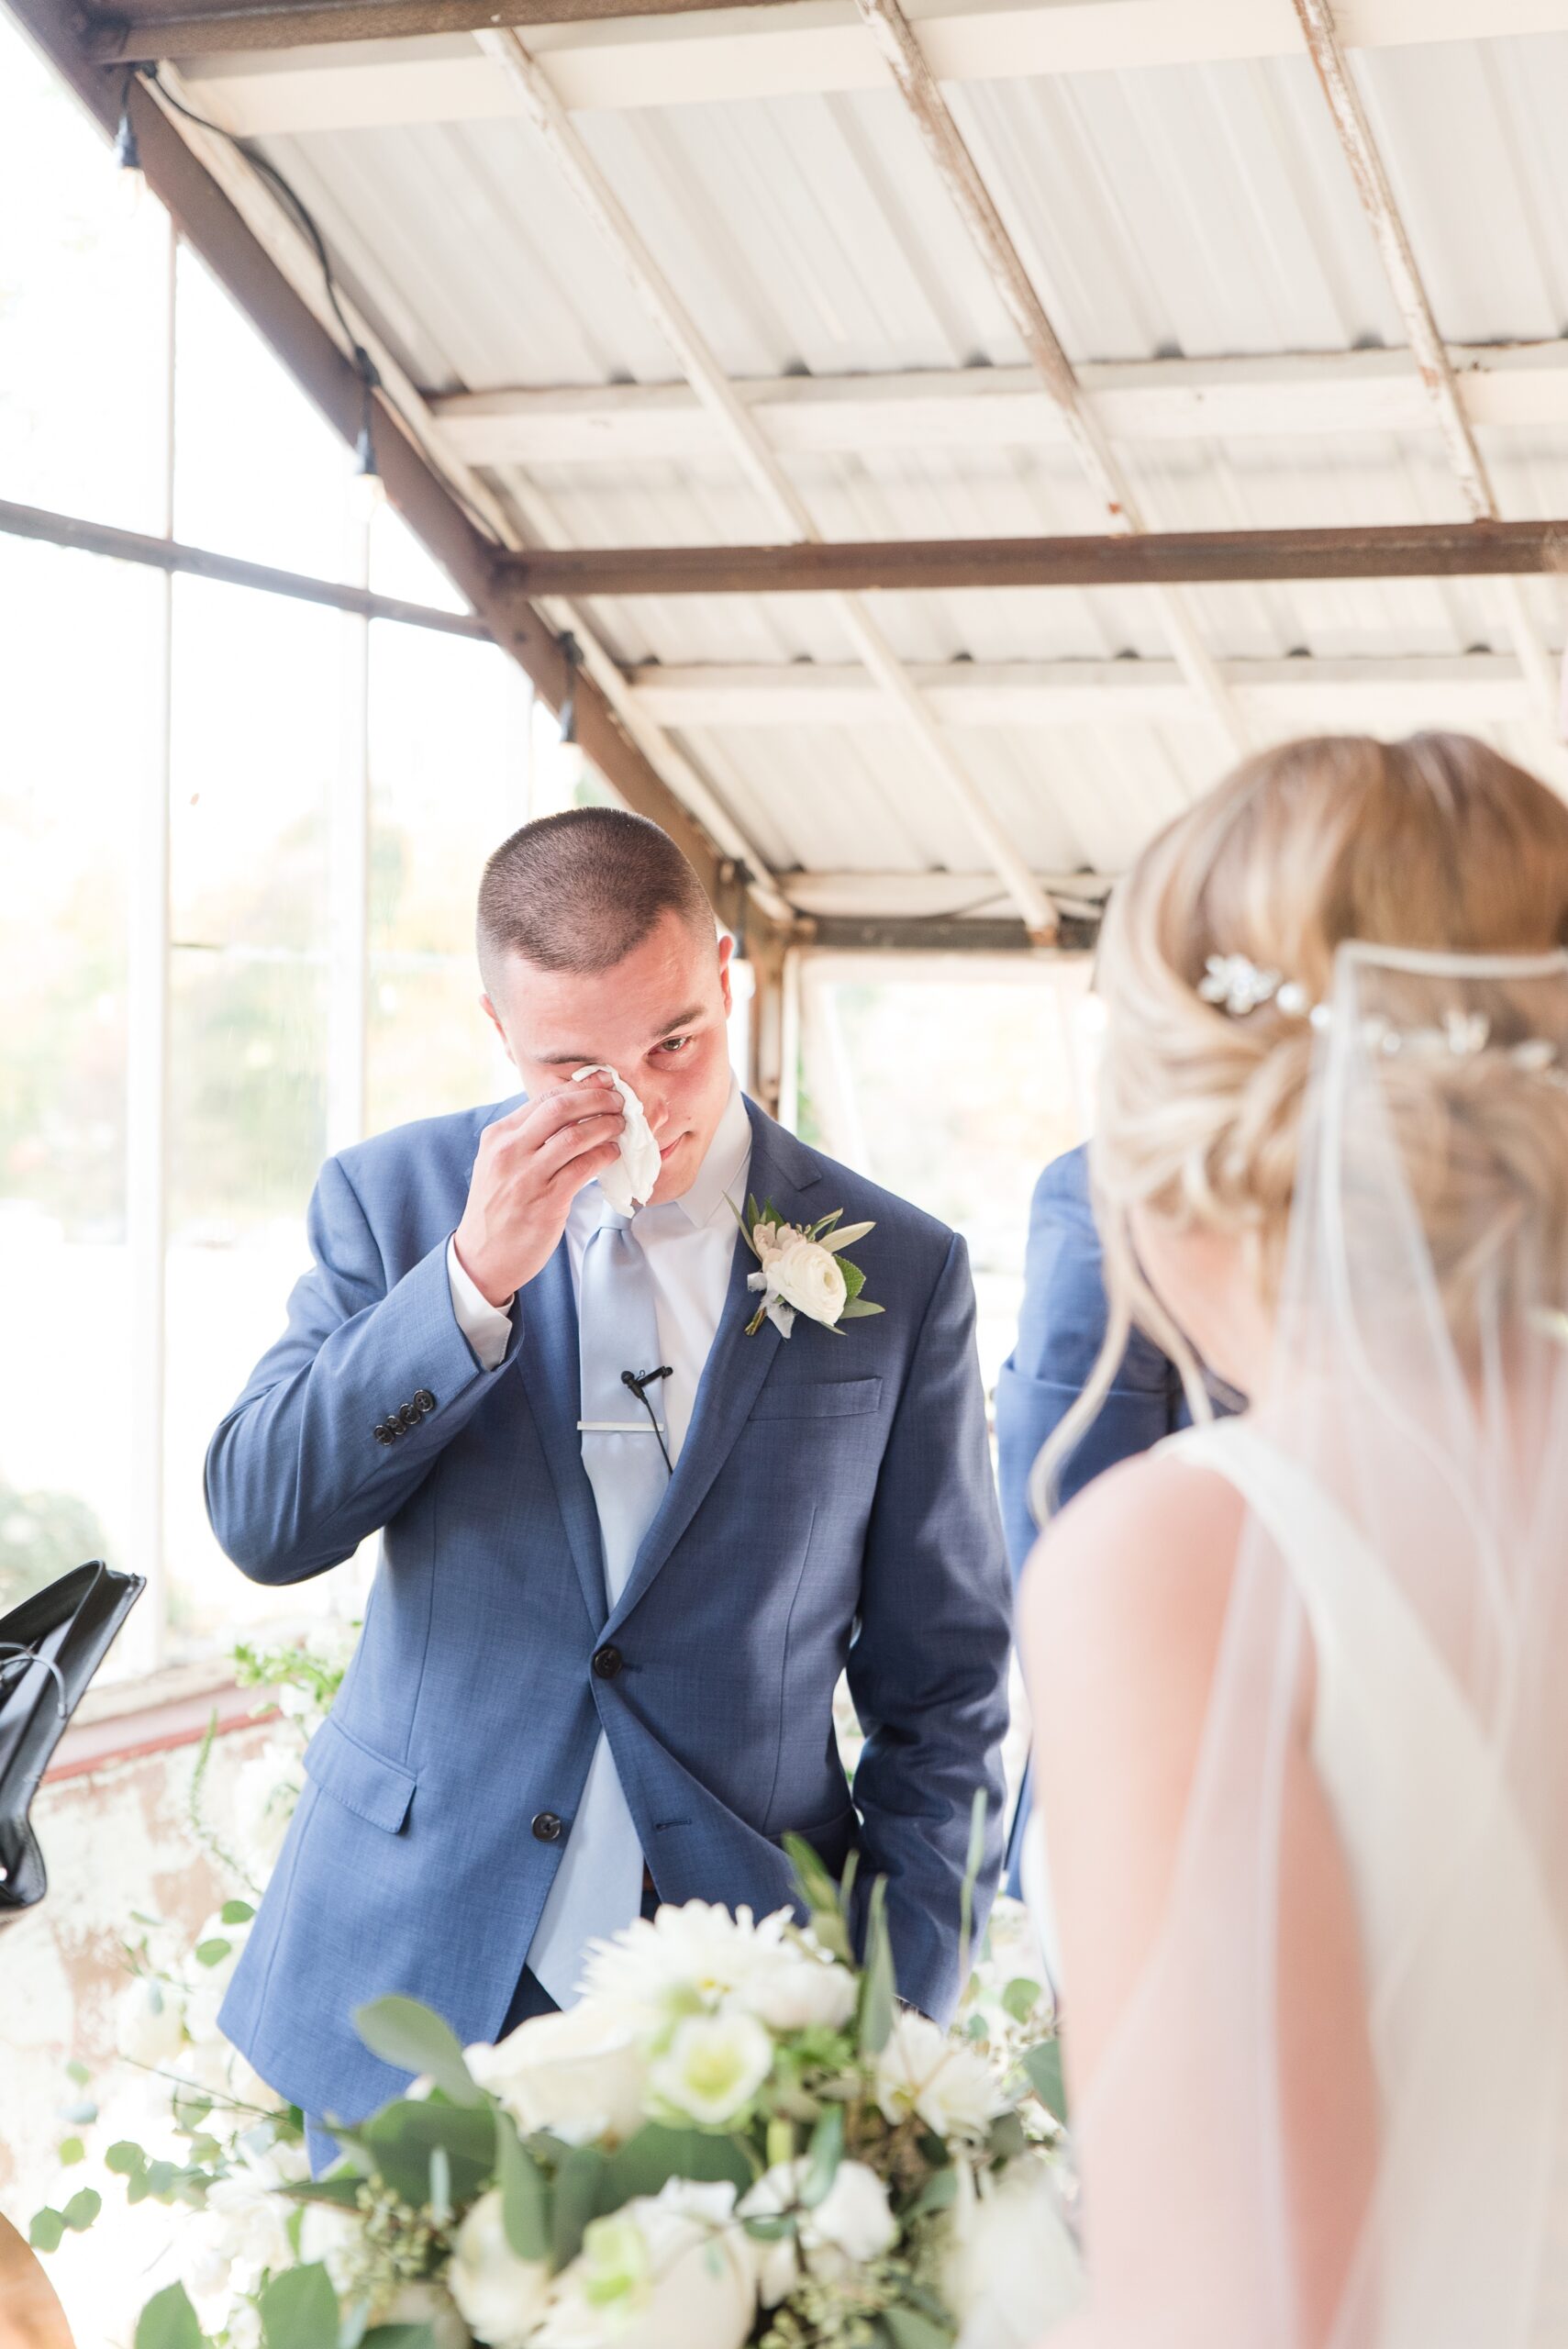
x: 49, y: 1648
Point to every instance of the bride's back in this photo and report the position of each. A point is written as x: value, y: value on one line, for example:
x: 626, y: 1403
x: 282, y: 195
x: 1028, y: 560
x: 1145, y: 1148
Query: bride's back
x: 1301, y: 1753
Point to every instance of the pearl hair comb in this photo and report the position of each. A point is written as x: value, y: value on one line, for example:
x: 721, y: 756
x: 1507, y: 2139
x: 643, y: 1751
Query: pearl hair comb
x: 1239, y: 986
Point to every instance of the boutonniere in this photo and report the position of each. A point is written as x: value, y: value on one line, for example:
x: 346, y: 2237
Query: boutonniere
x: 802, y: 1269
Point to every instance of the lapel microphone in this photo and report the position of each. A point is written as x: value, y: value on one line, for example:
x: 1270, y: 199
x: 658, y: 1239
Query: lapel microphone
x: 637, y: 1381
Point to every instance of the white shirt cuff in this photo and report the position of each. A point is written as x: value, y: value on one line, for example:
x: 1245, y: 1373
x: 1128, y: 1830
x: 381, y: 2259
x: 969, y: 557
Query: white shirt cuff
x: 487, y: 1327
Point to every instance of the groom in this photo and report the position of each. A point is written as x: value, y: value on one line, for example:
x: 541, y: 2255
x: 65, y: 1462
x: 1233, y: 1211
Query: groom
x: 591, y: 1676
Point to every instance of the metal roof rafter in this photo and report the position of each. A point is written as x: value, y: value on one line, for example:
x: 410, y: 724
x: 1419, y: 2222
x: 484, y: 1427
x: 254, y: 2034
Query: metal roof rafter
x: 1102, y: 468
x: 1431, y: 353
x: 761, y: 467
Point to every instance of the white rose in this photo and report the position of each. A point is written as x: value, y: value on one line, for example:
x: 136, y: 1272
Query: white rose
x: 922, y: 2070
x: 149, y: 2020
x: 579, y: 2073
x: 851, y: 2224
x: 1007, y: 2269
x: 797, y: 1991
x: 713, y: 2067
x: 810, y: 1278
x: 670, y: 2273
x: 501, y: 2297
x: 253, y: 2221
x: 335, y: 2237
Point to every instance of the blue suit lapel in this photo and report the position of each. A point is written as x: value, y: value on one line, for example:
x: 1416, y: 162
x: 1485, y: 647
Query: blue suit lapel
x: 549, y: 1367
x: 782, y: 1169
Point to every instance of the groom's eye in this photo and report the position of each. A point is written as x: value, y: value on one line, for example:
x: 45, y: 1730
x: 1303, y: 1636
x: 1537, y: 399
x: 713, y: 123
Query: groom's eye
x: 673, y: 1044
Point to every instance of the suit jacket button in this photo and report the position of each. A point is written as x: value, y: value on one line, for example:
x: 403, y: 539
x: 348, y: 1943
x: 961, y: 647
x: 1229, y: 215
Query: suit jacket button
x: 607, y: 1662
x: 409, y: 1416
x: 424, y: 1402
x: 547, y: 1827
x: 385, y: 1433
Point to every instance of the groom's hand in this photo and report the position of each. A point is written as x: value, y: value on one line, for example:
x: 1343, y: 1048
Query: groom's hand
x: 530, y: 1167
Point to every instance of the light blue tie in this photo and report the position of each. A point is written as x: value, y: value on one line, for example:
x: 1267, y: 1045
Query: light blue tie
x: 598, y: 1886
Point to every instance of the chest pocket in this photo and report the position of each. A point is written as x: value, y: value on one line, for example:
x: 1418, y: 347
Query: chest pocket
x: 822, y: 1399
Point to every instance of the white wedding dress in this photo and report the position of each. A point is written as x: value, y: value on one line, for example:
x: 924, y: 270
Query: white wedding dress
x: 1464, y: 1959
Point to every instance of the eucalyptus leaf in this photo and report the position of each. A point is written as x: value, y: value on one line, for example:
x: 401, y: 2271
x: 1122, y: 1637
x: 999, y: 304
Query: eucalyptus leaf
x: 878, y: 1986
x: 169, y: 2322
x: 213, y: 1952
x: 398, y: 2143
x: 819, y: 1894
x: 1042, y: 2067
x: 416, y: 2039
x: 341, y: 2193
x: 908, y: 2328
x: 125, y: 2157
x: 822, y: 2157
x: 859, y: 1308
x: 576, y: 2202
x: 70, y: 2150
x: 299, y: 2310
x: 399, y: 2336
x: 939, y: 2193
x: 236, y: 1912
x: 48, y: 2230
x: 1021, y: 1997
x: 655, y: 2153
x: 82, y: 2210
x: 973, y: 1865
x: 525, y: 2193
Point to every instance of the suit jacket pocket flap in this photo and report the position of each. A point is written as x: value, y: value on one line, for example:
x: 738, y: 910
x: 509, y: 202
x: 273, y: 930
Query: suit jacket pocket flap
x: 367, y: 1784
x: 821, y: 1398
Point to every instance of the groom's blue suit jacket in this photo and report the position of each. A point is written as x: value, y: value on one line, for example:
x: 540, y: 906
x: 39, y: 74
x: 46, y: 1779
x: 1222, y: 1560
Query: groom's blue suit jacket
x: 832, y: 1504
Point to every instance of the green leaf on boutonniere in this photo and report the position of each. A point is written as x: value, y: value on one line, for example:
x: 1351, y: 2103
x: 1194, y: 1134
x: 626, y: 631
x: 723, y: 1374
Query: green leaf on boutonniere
x: 854, y: 1279
x: 858, y: 1308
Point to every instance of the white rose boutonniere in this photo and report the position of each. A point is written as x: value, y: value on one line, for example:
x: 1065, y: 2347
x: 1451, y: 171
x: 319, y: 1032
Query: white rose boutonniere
x: 801, y: 1269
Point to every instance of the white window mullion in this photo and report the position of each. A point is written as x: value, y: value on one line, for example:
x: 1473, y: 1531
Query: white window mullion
x: 147, y: 1083
x: 348, y: 874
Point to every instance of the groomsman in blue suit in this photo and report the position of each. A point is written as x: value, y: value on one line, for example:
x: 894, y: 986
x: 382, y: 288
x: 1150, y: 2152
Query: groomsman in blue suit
x: 1061, y: 1326
x: 628, y: 1542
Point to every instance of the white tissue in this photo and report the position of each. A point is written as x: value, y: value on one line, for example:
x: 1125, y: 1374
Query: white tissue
x: 629, y: 1183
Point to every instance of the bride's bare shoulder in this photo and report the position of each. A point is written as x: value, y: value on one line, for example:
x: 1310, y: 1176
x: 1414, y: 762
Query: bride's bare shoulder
x: 1142, y: 1560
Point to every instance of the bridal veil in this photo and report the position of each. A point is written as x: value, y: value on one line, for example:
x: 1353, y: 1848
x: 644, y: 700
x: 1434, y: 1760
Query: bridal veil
x: 1400, y: 1600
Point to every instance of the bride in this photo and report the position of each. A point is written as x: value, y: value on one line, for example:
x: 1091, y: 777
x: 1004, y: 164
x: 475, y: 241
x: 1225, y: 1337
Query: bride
x: 1300, y: 1682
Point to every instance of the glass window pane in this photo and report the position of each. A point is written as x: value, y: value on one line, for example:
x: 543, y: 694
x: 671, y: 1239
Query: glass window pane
x: 259, y: 684
x: 247, y: 1043
x: 84, y: 310
x: 258, y: 691
x: 69, y: 783
x: 449, y: 765
x: 971, y: 1148
x: 257, y: 469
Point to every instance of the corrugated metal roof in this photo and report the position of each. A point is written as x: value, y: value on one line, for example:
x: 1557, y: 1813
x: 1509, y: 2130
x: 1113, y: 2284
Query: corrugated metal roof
x: 1192, y: 210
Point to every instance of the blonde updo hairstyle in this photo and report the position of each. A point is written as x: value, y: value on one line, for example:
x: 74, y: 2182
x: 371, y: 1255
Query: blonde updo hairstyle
x: 1437, y: 843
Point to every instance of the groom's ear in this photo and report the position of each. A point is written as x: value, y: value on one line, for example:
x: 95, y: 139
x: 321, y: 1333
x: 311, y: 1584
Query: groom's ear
x: 727, y: 948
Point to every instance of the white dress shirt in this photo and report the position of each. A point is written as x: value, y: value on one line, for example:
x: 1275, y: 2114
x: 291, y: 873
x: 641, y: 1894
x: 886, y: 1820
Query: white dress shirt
x: 690, y: 1246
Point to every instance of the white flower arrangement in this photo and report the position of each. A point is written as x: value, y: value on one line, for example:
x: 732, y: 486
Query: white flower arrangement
x: 738, y: 2137
x: 802, y: 1269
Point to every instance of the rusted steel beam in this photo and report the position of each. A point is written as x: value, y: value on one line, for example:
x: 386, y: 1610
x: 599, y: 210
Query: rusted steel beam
x: 1164, y: 557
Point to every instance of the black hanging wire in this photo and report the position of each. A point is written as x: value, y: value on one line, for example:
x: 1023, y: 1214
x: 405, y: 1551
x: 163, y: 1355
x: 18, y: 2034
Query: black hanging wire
x: 363, y: 364
x: 637, y: 1383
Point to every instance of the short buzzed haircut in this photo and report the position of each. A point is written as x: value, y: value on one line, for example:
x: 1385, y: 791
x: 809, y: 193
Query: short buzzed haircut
x: 578, y: 891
